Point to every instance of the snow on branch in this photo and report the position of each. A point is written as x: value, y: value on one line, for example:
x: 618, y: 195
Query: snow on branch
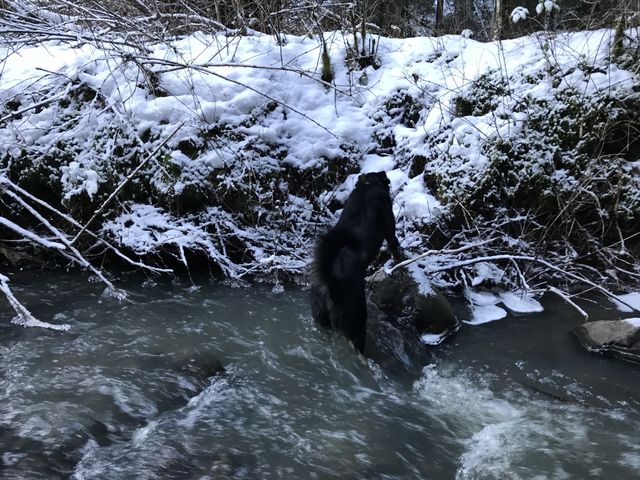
x: 441, y: 252
x: 29, y: 235
x: 5, y: 182
x: 24, y: 316
x: 568, y: 300
x: 548, y: 6
x: 519, y: 13
x: 75, y: 255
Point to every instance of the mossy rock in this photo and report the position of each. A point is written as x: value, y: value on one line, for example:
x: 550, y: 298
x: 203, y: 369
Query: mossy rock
x: 400, y: 297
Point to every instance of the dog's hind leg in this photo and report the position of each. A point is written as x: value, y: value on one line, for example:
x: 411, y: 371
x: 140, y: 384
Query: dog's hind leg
x: 349, y: 310
x: 355, y: 327
x: 320, y: 305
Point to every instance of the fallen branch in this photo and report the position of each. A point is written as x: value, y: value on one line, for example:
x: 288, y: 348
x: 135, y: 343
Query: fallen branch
x: 494, y: 258
x: 75, y: 255
x: 23, y: 232
x: 404, y: 263
x: 24, y: 316
x: 525, y: 258
x: 5, y: 182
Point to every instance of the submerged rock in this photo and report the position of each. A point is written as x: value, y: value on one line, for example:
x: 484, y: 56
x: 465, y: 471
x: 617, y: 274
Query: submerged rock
x: 399, y: 353
x: 621, y: 338
x: 201, y: 369
x: 414, y: 302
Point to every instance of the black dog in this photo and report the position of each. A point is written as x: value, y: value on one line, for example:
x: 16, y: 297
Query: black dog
x: 344, y: 253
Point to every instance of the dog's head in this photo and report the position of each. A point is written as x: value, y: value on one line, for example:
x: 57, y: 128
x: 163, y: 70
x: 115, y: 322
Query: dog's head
x: 373, y: 179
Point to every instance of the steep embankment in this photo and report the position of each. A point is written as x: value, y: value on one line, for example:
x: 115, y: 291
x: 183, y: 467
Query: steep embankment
x: 233, y: 149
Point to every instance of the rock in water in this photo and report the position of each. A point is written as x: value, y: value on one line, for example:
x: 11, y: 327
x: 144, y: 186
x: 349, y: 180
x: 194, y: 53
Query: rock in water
x: 401, y: 297
x: 618, y: 337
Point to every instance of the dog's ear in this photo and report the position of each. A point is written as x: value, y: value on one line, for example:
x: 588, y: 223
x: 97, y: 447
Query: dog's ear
x: 382, y: 178
x: 365, y: 179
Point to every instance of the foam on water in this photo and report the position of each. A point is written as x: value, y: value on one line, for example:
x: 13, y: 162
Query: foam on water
x: 519, y: 435
x: 462, y: 402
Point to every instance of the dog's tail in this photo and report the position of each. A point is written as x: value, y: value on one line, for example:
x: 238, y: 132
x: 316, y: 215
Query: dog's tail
x: 339, y: 297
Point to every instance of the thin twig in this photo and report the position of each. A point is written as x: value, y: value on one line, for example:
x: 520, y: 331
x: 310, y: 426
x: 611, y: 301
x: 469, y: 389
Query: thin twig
x: 441, y: 252
x: 526, y: 258
x: 568, y: 300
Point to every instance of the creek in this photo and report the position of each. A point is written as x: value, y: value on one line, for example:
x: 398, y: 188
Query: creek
x: 134, y: 390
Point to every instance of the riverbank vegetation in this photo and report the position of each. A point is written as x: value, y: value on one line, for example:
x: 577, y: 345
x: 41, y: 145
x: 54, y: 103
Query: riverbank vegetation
x: 223, y: 137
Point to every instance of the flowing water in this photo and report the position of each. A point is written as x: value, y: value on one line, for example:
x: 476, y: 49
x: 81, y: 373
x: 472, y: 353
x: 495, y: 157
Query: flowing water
x: 134, y: 391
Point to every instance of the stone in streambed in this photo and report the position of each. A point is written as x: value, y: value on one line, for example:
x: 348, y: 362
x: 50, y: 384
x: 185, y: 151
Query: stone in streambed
x: 621, y: 338
x: 411, y: 300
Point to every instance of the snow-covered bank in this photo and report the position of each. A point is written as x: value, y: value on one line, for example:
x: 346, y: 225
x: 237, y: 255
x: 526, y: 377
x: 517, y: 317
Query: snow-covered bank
x: 529, y: 140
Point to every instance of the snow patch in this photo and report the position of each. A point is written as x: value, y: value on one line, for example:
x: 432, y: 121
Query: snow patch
x: 635, y: 322
x: 485, y: 313
x: 486, y: 273
x: 520, y: 302
x: 432, y: 339
x: 484, y: 305
x: 146, y: 227
x: 422, y: 279
x: 415, y: 201
x: 376, y: 163
x: 77, y: 178
x: 632, y: 299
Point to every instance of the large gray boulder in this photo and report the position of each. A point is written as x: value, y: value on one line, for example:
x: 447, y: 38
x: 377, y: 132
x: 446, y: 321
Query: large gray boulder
x: 414, y: 302
x: 621, y: 338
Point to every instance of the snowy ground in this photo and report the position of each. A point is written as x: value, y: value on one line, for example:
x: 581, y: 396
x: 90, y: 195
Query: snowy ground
x: 247, y: 113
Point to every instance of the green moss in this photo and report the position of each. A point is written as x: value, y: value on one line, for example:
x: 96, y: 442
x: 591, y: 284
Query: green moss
x: 327, y: 69
x: 404, y: 107
x: 483, y: 96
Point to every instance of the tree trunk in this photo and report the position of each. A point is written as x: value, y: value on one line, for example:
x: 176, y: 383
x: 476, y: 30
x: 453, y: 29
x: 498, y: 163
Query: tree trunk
x: 439, y: 16
x: 498, y: 26
x: 461, y: 11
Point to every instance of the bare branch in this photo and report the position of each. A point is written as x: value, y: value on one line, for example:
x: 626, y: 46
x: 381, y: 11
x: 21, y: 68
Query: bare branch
x: 525, y: 258
x: 441, y: 252
x: 4, y: 181
x: 75, y: 255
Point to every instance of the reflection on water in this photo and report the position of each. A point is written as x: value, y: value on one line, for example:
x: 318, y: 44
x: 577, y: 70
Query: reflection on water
x: 136, y: 390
